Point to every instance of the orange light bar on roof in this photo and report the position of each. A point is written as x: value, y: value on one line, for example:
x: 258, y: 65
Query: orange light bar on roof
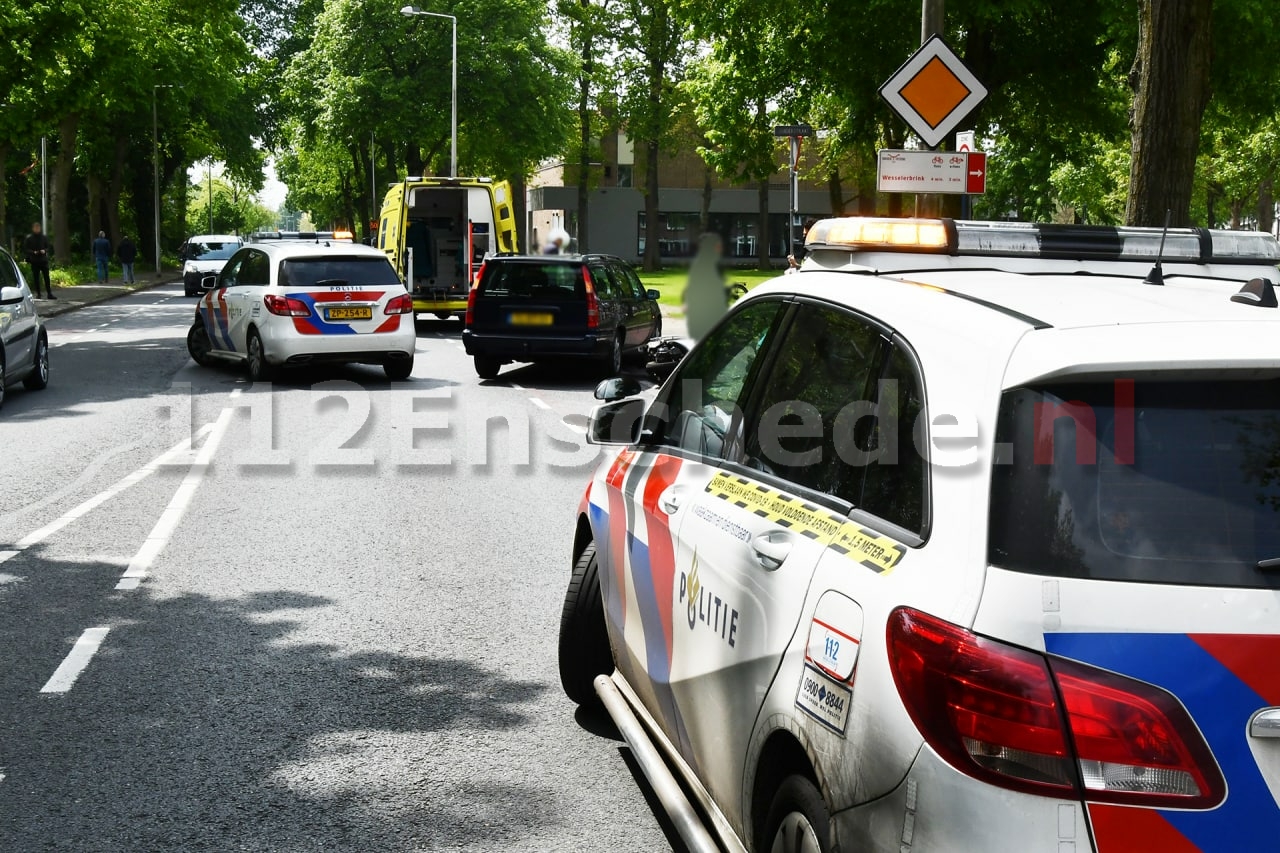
x: 346, y: 236
x: 870, y: 233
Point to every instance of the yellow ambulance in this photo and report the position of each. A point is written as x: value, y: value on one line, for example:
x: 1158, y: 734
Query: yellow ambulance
x: 437, y: 232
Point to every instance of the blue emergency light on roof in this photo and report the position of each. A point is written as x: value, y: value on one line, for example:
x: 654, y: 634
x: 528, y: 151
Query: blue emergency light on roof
x: 1046, y: 241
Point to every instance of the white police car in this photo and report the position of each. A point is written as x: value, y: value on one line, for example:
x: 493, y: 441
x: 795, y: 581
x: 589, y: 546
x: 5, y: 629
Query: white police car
x: 964, y: 538
x: 305, y: 300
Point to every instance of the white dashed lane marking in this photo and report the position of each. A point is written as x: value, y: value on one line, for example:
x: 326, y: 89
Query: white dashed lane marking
x: 76, y: 660
x: 539, y: 403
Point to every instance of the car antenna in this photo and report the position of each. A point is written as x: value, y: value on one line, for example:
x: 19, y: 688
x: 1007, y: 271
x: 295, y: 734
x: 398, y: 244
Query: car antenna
x: 1156, y: 276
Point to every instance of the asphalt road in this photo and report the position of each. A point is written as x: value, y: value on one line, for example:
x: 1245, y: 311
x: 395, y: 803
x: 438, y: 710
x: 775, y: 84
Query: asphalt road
x: 329, y: 626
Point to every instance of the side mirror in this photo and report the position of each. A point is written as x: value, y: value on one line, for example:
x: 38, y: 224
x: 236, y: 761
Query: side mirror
x: 617, y: 423
x: 617, y: 388
x: 10, y: 295
x: 653, y: 294
x: 209, y: 282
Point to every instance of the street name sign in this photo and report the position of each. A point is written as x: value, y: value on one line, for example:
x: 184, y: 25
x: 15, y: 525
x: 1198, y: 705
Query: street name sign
x: 933, y: 91
x: 931, y: 172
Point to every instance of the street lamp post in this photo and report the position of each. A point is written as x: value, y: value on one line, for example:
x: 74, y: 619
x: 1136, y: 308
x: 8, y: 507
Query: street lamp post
x: 155, y: 161
x: 414, y: 11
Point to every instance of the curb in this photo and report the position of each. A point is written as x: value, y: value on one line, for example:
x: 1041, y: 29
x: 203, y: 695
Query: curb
x: 55, y: 310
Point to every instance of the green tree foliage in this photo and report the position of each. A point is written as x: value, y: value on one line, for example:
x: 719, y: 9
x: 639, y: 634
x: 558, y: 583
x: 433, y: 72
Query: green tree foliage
x: 86, y: 81
x: 367, y: 71
x: 235, y: 211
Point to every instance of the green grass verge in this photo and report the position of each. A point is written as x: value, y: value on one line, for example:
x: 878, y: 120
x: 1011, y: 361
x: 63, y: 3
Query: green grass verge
x: 79, y: 272
x: 670, y: 283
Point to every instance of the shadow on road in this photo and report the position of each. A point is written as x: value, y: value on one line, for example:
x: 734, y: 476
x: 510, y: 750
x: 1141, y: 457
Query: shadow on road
x: 223, y: 724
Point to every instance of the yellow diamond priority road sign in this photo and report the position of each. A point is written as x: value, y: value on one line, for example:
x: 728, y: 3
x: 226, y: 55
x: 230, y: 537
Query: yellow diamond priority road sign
x: 933, y: 91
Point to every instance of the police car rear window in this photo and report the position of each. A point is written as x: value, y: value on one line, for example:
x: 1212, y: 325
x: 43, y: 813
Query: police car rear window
x: 313, y: 272
x: 533, y: 281
x: 1159, y: 482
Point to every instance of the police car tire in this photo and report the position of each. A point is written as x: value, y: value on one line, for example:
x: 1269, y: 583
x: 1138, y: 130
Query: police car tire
x: 584, y: 639
x: 487, y: 367
x: 38, y: 378
x: 195, y: 334
x: 263, y: 372
x: 399, y: 370
x: 797, y: 795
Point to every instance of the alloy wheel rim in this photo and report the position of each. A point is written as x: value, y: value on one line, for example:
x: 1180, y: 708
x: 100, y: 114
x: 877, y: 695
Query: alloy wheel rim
x: 42, y: 361
x: 255, y: 356
x: 795, y: 835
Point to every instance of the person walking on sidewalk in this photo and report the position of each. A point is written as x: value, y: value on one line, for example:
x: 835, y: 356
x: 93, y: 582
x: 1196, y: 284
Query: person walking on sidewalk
x: 127, y: 253
x: 102, y: 255
x: 36, y: 248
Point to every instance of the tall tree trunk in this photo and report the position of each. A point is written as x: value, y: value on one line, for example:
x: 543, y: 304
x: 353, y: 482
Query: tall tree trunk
x: 364, y: 200
x: 762, y: 240
x: 61, y: 224
x: 835, y: 192
x: 652, y: 227
x: 93, y: 187
x: 584, y: 130
x: 519, y: 211
x: 1266, y: 205
x: 704, y: 212
x: 413, y: 159
x: 1170, y: 81
x: 115, y: 187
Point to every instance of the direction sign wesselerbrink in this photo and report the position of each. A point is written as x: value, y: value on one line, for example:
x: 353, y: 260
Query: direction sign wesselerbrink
x: 931, y: 172
x: 933, y: 92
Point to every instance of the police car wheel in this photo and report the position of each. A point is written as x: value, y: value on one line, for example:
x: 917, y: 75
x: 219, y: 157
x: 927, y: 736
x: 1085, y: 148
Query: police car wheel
x: 38, y: 378
x: 198, y: 344
x: 584, y: 640
x: 259, y: 368
x: 798, y: 820
x: 486, y: 367
x: 398, y: 370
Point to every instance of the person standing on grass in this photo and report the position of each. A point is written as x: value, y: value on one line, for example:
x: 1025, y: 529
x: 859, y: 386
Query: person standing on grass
x: 36, y: 248
x: 127, y: 253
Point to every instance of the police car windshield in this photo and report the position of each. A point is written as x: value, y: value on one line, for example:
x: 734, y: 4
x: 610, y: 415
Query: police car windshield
x: 211, y: 251
x: 1165, y: 482
x: 313, y: 272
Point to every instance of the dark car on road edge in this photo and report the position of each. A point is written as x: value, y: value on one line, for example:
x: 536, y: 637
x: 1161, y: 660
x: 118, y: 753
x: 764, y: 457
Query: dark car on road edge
x: 530, y: 308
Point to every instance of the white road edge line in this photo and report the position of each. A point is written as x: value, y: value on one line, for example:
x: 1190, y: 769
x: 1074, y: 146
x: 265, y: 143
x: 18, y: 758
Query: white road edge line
x: 172, y: 515
x: 578, y: 428
x: 539, y: 403
x: 5, y: 555
x: 76, y: 660
x: 99, y: 499
x: 517, y: 386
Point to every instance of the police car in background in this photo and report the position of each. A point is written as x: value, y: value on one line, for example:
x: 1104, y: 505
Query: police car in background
x: 295, y: 299
x: 964, y: 538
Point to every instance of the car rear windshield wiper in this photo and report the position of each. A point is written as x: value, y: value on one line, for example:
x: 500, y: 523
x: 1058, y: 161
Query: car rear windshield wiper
x: 1273, y: 563
x: 331, y: 282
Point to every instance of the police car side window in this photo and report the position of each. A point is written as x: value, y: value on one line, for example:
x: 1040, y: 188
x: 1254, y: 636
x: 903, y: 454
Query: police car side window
x: 256, y: 271
x: 703, y: 402
x: 893, y: 483
x: 811, y: 403
x: 231, y: 272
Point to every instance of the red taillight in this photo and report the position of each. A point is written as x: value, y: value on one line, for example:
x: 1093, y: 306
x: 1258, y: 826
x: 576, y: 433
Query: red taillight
x: 996, y: 712
x: 286, y: 306
x: 593, y: 304
x: 475, y: 280
x: 402, y: 304
x: 471, y: 305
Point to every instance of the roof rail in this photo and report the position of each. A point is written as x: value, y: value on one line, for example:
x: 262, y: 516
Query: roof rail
x: 268, y: 236
x: 1045, y: 241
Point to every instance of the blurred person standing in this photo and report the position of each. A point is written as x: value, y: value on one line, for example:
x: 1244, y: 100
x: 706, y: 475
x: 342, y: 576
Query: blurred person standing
x: 705, y: 299
x: 102, y: 255
x: 127, y: 252
x: 36, y: 249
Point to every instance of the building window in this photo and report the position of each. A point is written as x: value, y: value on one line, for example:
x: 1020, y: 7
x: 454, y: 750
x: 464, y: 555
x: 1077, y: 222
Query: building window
x: 625, y: 175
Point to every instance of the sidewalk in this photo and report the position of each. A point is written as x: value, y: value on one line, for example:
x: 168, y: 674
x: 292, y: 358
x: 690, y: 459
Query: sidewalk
x: 80, y: 295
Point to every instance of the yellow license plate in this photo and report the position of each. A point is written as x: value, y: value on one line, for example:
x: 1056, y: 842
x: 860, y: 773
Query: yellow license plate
x: 526, y: 318
x: 348, y: 314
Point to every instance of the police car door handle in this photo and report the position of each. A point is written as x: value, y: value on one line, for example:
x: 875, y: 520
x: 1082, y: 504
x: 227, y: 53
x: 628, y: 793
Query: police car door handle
x: 1265, y: 723
x: 771, y: 549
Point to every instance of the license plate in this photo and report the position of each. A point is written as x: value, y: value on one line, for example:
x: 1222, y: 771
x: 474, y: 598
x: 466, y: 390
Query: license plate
x: 348, y: 313
x: 526, y: 318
